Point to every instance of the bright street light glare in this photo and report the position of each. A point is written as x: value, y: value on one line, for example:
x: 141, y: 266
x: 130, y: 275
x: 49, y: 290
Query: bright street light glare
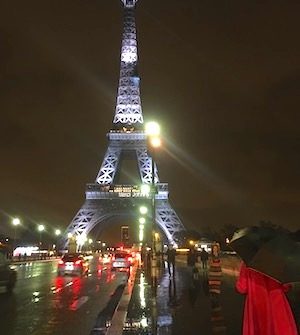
x: 143, y: 210
x: 90, y: 241
x: 16, y: 221
x: 57, y: 232
x: 155, y: 142
x: 142, y: 220
x: 152, y: 128
x: 70, y: 235
x: 141, y: 235
x: 41, y: 227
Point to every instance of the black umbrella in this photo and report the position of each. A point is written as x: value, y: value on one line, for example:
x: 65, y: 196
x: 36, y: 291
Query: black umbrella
x: 279, y: 258
x: 269, y: 251
x: 247, y: 241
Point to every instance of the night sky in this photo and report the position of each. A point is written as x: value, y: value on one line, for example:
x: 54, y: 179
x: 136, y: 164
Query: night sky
x: 222, y: 78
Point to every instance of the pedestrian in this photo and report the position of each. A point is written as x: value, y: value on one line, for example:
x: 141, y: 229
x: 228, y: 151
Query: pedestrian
x: 191, y: 257
x: 171, y: 255
x: 214, y: 275
x: 267, y: 310
x: 204, y: 258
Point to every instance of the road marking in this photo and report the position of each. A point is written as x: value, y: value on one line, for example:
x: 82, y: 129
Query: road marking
x: 78, y: 303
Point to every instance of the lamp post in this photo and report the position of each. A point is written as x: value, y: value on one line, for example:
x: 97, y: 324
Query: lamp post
x: 41, y: 228
x: 153, y: 131
x: 57, y: 233
x: 15, y: 222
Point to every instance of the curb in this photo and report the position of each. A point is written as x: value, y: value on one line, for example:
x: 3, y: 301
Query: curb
x: 119, y: 317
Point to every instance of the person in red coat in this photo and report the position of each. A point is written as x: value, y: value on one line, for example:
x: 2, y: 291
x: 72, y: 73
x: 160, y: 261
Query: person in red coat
x: 267, y: 310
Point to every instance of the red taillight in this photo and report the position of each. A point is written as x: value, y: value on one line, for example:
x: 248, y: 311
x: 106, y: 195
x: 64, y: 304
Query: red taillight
x: 78, y: 262
x: 60, y: 262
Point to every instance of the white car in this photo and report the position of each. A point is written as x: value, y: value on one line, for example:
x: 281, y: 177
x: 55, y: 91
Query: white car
x: 121, y: 260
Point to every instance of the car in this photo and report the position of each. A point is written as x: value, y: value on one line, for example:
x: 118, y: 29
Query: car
x: 73, y: 264
x: 8, y: 275
x: 121, y: 260
x: 105, y: 258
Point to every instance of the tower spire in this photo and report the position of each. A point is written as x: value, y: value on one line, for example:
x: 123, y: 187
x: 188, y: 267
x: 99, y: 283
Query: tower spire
x: 128, y: 107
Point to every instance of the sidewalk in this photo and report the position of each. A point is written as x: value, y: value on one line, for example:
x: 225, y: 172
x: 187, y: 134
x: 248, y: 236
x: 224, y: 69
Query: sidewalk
x: 180, y: 309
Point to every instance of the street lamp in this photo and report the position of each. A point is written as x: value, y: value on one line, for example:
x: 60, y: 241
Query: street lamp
x: 152, y: 130
x: 41, y: 228
x: 142, y: 220
x: 57, y: 232
x: 15, y: 222
x: 143, y: 210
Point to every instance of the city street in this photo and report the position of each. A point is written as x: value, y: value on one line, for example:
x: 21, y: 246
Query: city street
x: 43, y: 303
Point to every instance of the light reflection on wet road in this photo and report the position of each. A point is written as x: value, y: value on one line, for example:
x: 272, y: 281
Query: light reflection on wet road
x: 43, y: 303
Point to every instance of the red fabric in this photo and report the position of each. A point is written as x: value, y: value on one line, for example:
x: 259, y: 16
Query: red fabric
x: 267, y: 310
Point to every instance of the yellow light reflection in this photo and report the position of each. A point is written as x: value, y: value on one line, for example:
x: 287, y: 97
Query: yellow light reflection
x: 142, y: 291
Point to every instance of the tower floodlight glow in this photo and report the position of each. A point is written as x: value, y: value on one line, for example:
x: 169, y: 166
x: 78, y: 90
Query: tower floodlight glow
x: 16, y: 221
x: 143, y: 210
x: 152, y: 128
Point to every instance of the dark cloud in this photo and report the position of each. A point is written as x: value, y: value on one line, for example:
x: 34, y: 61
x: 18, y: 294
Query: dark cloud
x: 222, y: 77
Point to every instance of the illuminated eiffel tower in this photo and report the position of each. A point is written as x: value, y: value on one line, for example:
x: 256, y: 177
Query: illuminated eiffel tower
x: 105, y: 198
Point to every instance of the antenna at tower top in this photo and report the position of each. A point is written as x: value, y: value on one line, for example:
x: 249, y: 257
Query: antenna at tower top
x: 129, y: 3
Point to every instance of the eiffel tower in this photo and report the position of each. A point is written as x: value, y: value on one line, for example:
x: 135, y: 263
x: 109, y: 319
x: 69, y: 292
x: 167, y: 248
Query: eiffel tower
x: 127, y: 138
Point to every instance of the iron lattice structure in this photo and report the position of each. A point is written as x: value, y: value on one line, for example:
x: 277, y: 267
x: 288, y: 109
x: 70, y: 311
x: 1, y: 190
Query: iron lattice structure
x: 105, y: 199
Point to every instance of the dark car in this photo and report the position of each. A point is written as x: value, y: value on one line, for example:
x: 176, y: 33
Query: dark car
x: 73, y: 264
x: 8, y: 275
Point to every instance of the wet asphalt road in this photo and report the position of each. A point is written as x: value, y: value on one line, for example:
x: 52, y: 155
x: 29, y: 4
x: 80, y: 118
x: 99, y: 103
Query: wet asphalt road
x: 43, y: 303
